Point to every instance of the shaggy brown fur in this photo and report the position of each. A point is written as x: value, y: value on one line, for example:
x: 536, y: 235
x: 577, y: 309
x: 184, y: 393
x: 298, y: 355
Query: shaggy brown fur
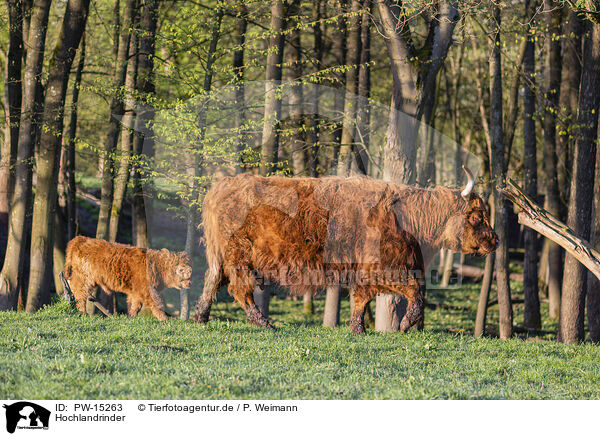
x: 138, y: 272
x: 307, y: 233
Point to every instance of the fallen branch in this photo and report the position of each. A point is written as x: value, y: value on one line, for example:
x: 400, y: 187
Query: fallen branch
x: 476, y: 273
x: 543, y: 222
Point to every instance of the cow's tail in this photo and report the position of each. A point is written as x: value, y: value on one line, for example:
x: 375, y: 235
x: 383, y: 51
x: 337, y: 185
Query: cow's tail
x: 214, y: 273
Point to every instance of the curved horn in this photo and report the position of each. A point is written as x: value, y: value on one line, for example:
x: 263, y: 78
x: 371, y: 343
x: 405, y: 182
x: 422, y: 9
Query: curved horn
x: 470, y: 182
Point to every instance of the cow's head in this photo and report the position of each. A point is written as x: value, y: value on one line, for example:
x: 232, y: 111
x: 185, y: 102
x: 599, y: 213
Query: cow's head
x: 470, y: 232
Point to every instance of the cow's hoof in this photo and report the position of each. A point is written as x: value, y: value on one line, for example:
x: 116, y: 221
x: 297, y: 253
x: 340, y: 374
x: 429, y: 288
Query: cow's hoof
x: 357, y: 327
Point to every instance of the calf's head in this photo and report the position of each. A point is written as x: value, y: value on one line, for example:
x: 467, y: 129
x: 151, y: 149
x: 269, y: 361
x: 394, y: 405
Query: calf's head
x: 470, y: 231
x: 179, y: 274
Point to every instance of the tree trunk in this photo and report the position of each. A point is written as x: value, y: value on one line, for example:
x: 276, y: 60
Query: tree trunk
x: 239, y: 40
x: 128, y: 122
x: 196, y: 158
x: 331, y: 313
x: 532, y: 318
x: 570, y: 77
x: 409, y: 103
x: 351, y: 90
x: 20, y: 202
x: 42, y: 231
x: 313, y: 138
x: 582, y: 188
x: 593, y: 292
x: 498, y: 175
x: 296, y: 98
x: 272, y: 114
x: 115, y: 116
x: 143, y: 141
x: 552, y: 72
x: 339, y: 53
x: 484, y: 296
x: 14, y: 95
x: 71, y: 188
x: 331, y: 317
x: 363, y: 117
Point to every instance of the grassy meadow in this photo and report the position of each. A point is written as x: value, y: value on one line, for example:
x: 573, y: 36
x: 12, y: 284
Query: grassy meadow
x: 56, y: 354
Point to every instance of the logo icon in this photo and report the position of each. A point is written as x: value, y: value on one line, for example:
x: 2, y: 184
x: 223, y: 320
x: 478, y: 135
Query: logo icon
x: 26, y: 415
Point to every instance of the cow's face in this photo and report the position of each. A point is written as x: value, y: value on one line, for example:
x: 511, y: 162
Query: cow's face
x: 478, y: 235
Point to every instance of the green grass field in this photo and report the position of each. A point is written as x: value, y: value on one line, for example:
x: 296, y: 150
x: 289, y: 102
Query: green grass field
x: 56, y: 354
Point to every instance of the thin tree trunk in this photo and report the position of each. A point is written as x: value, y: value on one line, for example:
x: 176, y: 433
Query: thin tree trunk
x: 552, y: 72
x: 143, y: 141
x: 296, y: 98
x: 116, y: 113
x: 42, y: 231
x: 572, y: 53
x: 363, y: 117
x: 331, y: 316
x: 196, y: 159
x: 21, y: 198
x: 313, y: 138
x: 484, y: 295
x: 593, y: 291
x: 128, y: 122
x: 351, y: 90
x: 339, y: 52
x: 14, y: 95
x: 498, y: 175
x: 239, y: 39
x: 272, y: 114
x: 532, y: 318
x: 582, y: 188
x: 71, y: 188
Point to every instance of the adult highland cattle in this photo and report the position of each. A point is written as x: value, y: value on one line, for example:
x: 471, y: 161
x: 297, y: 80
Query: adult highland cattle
x: 309, y: 233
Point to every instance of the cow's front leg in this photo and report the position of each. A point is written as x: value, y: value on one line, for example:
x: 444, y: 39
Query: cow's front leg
x: 415, y: 313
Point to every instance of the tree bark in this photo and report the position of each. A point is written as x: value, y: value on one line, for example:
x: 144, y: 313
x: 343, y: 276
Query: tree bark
x: 498, y: 174
x: 582, y: 188
x: 272, y: 114
x: 47, y: 161
x: 532, y: 317
x: 20, y: 202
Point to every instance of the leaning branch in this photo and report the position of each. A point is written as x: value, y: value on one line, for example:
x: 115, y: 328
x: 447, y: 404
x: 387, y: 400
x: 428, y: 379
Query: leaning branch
x: 543, y: 222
